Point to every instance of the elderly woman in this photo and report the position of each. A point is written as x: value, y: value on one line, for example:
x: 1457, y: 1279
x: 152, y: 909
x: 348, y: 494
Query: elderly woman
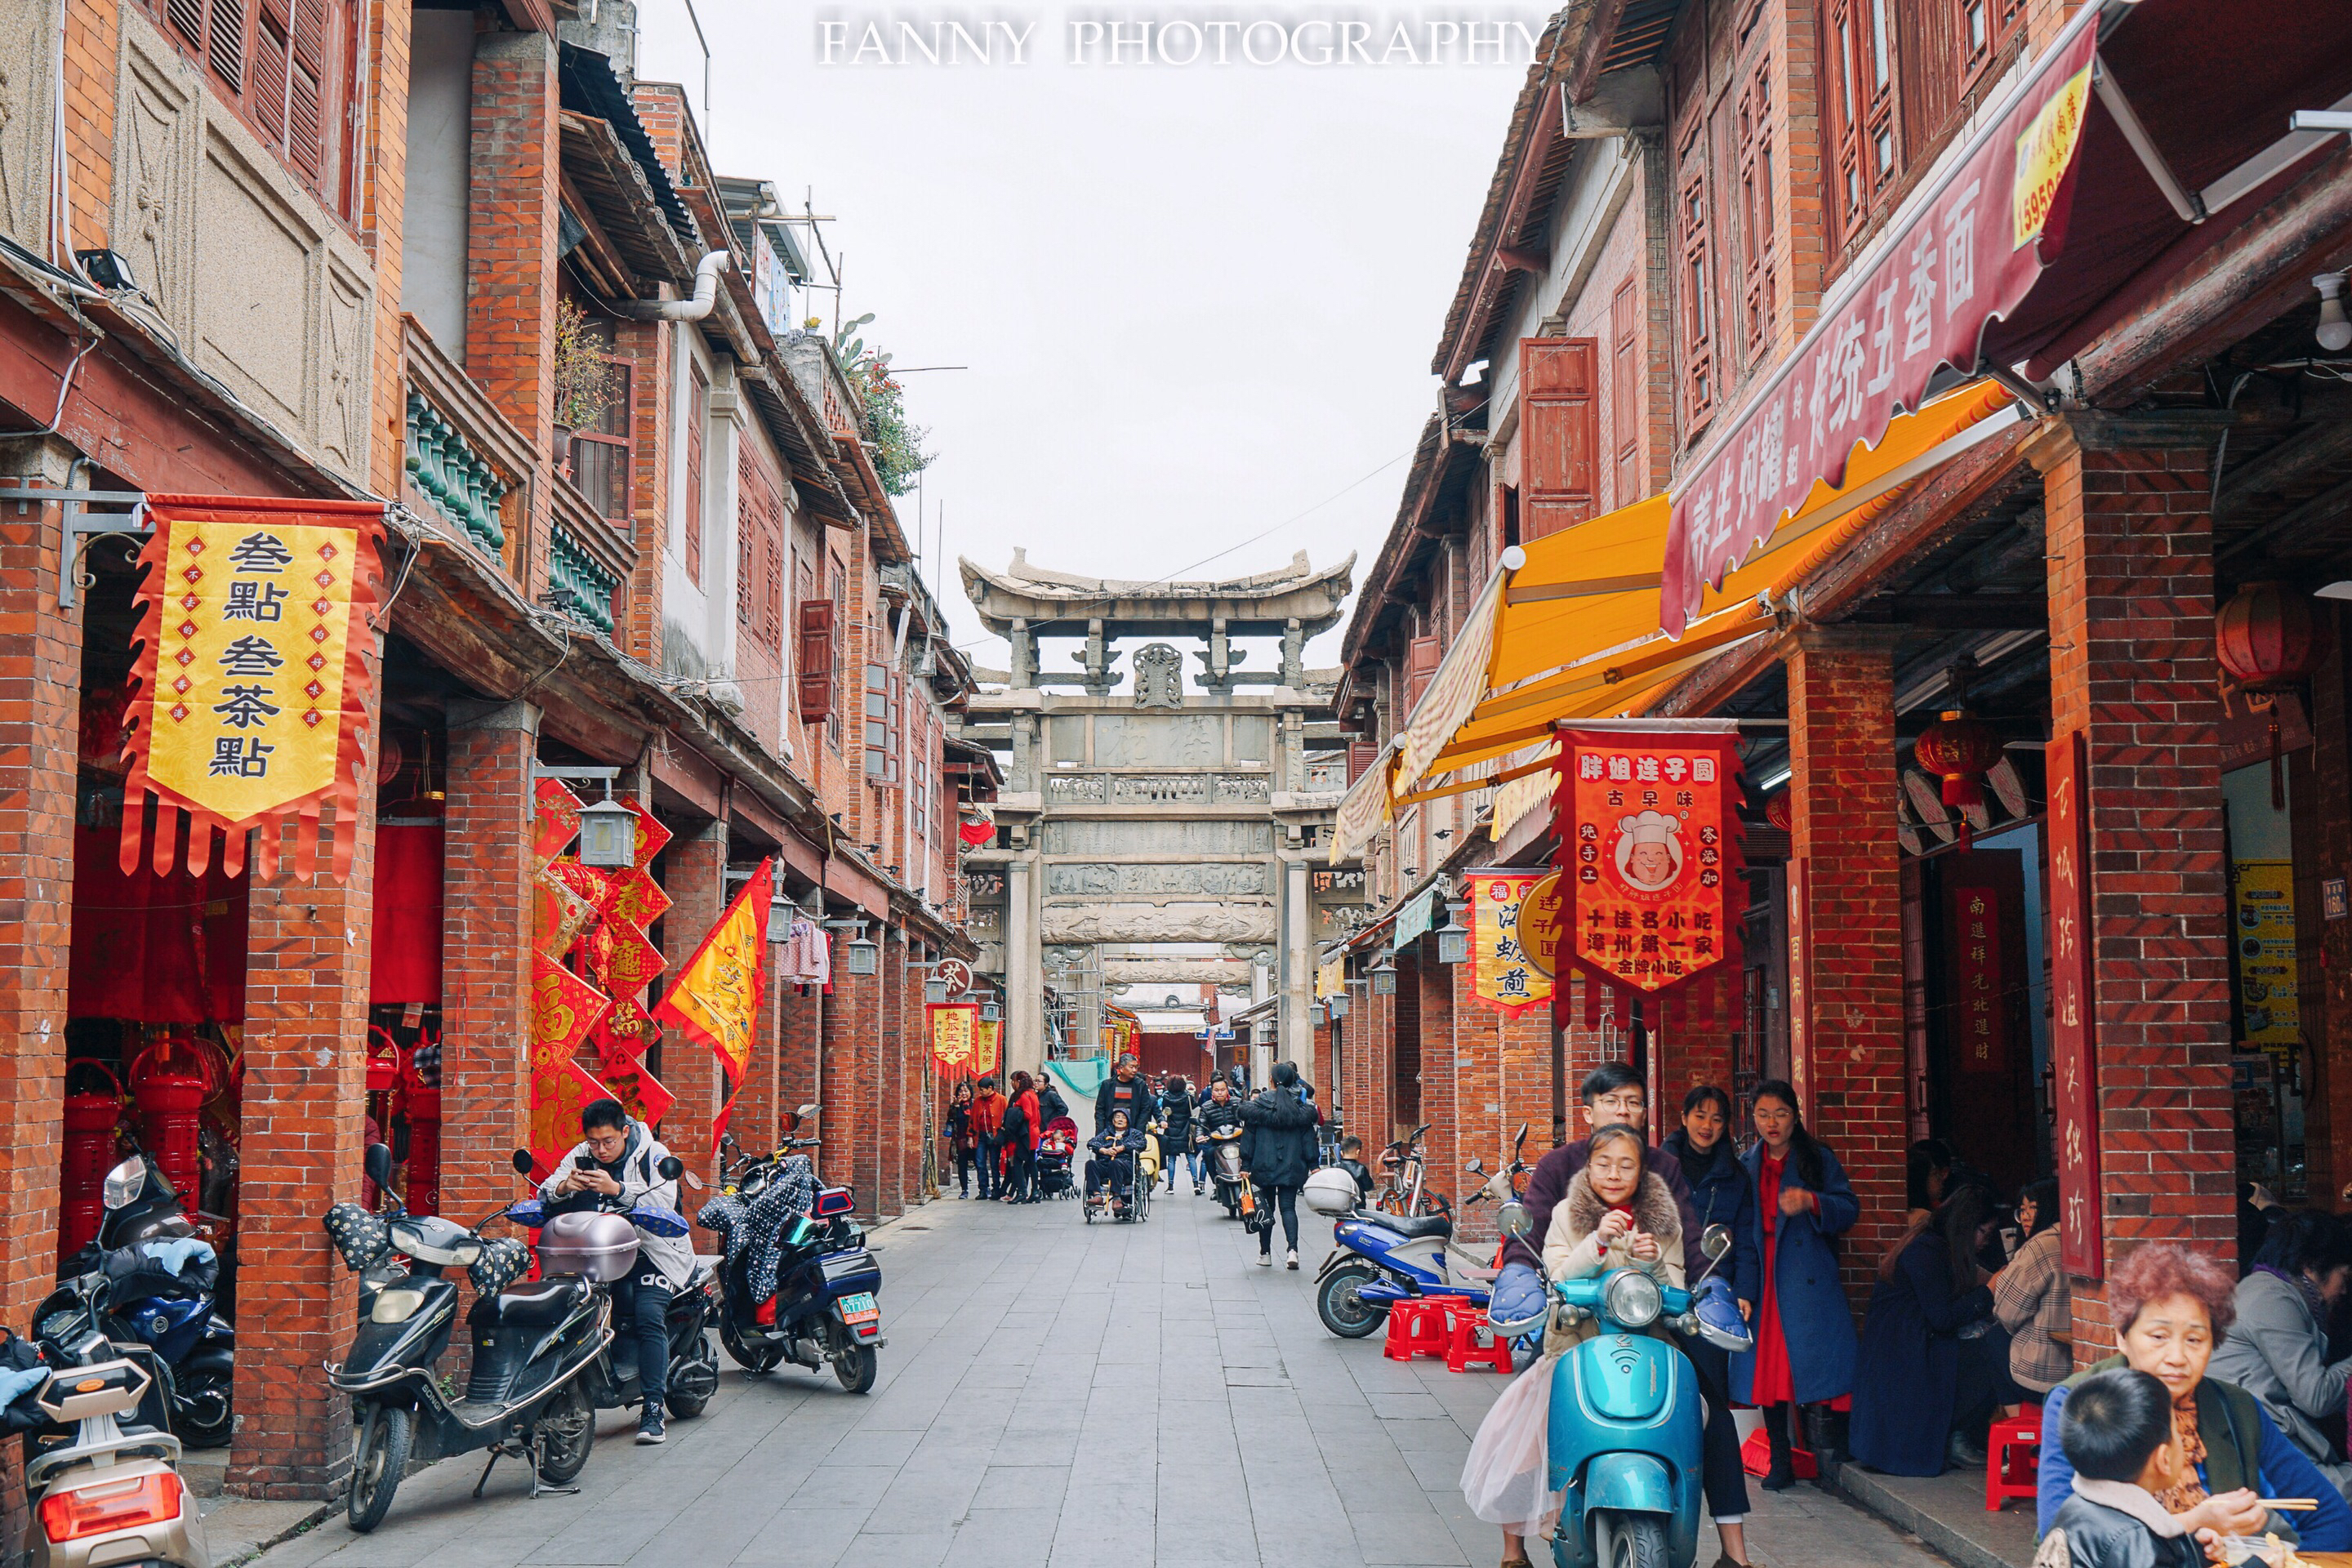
x: 2032, y: 1300
x: 2171, y: 1307
x: 2278, y: 1350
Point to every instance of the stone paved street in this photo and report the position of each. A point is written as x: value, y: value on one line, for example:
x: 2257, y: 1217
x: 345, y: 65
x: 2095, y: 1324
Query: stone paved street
x: 1053, y: 1394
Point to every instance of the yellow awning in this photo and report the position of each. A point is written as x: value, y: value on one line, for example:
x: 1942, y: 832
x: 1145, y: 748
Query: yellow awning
x: 1576, y: 633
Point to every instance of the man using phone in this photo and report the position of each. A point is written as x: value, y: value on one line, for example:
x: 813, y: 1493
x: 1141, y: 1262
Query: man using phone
x: 617, y: 1164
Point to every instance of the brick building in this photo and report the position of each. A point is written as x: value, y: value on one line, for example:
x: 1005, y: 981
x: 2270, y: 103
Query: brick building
x: 462, y: 262
x: 1697, y: 208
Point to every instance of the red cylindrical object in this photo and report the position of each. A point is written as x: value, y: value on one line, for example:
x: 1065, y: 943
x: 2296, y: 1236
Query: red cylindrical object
x: 423, y: 1103
x: 167, y: 1105
x: 90, y: 1120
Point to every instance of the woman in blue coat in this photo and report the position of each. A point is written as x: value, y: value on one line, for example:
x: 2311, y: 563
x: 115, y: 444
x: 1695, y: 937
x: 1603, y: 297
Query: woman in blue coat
x: 1920, y: 1389
x: 1804, y: 1330
x: 1722, y: 1192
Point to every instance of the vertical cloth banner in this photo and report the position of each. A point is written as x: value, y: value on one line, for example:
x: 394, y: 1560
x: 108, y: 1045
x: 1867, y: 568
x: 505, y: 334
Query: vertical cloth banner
x: 1501, y: 976
x: 1650, y: 851
x: 955, y: 1034
x: 1980, y: 1008
x: 983, y: 1050
x: 2073, y: 1046
x: 717, y: 996
x: 255, y: 677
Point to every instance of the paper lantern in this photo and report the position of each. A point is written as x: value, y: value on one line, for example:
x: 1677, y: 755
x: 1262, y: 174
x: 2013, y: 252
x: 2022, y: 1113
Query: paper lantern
x: 1959, y: 751
x: 1779, y: 812
x: 2269, y: 640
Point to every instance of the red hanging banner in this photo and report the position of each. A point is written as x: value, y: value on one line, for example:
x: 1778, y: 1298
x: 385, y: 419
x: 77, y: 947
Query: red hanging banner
x: 1980, y: 1011
x: 1649, y: 851
x: 2073, y: 1046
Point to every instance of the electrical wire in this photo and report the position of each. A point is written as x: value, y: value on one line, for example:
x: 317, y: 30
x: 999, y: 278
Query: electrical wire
x: 64, y: 390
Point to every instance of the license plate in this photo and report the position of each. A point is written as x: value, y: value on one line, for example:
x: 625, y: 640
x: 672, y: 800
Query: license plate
x: 860, y: 1309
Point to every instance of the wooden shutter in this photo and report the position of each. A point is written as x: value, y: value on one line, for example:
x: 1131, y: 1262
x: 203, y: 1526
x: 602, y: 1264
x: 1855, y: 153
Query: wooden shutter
x: 1559, y: 411
x: 305, y: 90
x: 816, y: 661
x: 265, y: 86
x: 1361, y: 754
x: 225, y: 47
x: 1753, y: 148
x: 1696, y: 281
x: 1628, y: 390
x: 1419, y: 668
x: 881, y: 714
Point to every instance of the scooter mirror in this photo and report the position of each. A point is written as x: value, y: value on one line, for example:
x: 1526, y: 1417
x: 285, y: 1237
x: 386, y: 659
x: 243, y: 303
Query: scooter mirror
x: 807, y: 1111
x: 521, y: 1161
x: 670, y: 1168
x: 377, y: 1163
x: 1715, y: 1240
x: 1475, y: 1167
x: 1515, y: 1222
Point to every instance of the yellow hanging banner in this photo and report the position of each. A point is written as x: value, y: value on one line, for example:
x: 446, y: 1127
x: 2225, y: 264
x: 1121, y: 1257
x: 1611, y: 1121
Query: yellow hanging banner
x: 255, y: 678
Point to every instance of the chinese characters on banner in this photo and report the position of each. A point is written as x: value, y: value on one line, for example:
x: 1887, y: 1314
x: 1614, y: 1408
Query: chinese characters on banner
x: 1502, y: 978
x: 985, y: 1038
x: 955, y: 1035
x: 255, y: 675
x: 1649, y: 853
x: 1969, y: 255
x: 1979, y: 1032
x: 2073, y: 1053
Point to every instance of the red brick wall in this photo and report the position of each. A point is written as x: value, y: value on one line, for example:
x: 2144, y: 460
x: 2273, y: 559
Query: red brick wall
x: 1440, y: 1105
x: 651, y: 349
x: 305, y: 1003
x: 93, y: 34
x: 1842, y: 794
x: 852, y: 1063
x: 486, y: 874
x: 2132, y: 668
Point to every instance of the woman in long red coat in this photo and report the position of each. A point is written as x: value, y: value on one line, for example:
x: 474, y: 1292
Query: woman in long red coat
x: 1021, y: 1177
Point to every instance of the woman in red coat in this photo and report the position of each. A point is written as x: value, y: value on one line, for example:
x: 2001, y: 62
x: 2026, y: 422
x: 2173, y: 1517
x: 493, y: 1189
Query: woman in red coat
x: 1021, y: 1178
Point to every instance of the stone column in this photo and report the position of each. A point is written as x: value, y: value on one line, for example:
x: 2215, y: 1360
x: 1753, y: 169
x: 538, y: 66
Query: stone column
x: 1024, y: 970
x: 2131, y: 669
x: 306, y: 988
x: 1298, y: 966
x: 694, y: 865
x: 1849, y: 1067
x: 40, y: 718
x: 486, y: 915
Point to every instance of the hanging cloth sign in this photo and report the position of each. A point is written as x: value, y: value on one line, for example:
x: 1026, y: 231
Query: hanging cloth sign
x: 255, y: 678
x: 955, y: 1034
x: 1649, y: 850
x: 717, y: 997
x: 983, y: 1050
x: 1502, y: 978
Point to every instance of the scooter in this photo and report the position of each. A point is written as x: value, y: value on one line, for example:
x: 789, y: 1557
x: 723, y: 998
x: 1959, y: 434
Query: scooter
x: 160, y: 1287
x: 1380, y: 1258
x: 825, y: 1305
x: 1622, y: 1442
x: 529, y: 1396
x: 1231, y: 1182
x: 110, y: 1494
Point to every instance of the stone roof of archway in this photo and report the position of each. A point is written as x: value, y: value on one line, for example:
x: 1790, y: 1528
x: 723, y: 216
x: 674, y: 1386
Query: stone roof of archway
x: 1259, y: 603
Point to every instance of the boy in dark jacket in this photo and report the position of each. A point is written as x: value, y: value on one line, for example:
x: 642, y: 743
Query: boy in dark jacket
x: 2118, y: 1434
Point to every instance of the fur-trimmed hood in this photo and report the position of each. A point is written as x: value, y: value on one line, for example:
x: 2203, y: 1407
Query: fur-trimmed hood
x: 1654, y: 1209
x: 1572, y: 1248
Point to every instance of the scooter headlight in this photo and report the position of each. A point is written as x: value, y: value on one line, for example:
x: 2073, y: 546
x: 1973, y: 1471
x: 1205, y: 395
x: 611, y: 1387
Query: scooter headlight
x: 396, y: 1305
x: 1633, y: 1298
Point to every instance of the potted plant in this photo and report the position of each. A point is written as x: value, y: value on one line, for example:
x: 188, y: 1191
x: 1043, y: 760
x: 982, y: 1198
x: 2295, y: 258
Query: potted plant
x: 583, y: 377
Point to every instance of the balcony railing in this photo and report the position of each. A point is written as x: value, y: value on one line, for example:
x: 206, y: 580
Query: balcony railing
x: 459, y: 482
x: 582, y: 587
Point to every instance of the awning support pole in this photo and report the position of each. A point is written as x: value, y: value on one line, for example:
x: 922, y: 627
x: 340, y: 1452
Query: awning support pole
x: 2191, y: 208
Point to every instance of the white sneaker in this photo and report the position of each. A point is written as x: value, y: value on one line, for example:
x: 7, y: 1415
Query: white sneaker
x: 1292, y: 1263
x: 1266, y: 1260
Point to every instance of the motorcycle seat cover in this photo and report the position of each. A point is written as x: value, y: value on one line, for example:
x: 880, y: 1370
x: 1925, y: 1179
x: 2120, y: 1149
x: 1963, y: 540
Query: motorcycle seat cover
x: 541, y: 1301
x: 1410, y: 1227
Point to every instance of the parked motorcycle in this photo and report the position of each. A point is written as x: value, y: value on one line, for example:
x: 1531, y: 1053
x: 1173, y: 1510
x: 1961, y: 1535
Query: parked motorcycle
x: 796, y: 1281
x: 109, y: 1493
x: 1380, y: 1258
x: 1231, y: 1180
x: 533, y: 1341
x: 1622, y: 1442
x: 153, y: 1282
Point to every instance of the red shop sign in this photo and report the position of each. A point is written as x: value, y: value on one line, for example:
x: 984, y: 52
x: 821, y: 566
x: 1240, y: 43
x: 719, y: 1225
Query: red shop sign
x: 2071, y: 1043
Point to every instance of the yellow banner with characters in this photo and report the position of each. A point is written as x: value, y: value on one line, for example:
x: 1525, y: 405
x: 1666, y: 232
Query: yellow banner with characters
x: 256, y: 672
x: 1503, y: 977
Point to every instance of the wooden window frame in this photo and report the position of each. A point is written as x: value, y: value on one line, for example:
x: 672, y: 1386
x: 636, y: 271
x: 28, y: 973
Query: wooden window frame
x: 1701, y: 382
x: 1752, y: 144
x: 1628, y: 390
x: 622, y: 443
x: 837, y: 582
x: 1862, y: 135
x: 246, y: 46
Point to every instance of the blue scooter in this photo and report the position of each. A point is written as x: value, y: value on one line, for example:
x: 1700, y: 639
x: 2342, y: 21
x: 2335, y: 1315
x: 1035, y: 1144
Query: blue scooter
x: 1380, y: 1260
x: 1624, y: 1438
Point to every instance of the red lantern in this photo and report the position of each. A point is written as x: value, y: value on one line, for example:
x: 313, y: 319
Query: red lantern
x: 1777, y: 812
x: 1959, y: 750
x: 2269, y: 640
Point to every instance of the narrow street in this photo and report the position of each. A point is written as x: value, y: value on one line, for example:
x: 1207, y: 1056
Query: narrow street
x: 1053, y: 1394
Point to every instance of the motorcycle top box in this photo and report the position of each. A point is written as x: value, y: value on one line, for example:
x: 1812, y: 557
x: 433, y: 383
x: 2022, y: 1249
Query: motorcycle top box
x: 1330, y: 1191
x: 599, y: 1246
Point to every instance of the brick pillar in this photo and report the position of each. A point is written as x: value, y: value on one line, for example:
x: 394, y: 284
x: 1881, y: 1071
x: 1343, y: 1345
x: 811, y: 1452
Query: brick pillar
x: 1447, y: 1145
x: 486, y: 914
x: 852, y: 1015
x: 756, y: 1103
x: 1842, y: 792
x: 1583, y: 1049
x: 514, y: 164
x: 693, y: 873
x: 40, y: 715
x: 1477, y: 1091
x: 1378, y: 1051
x: 1524, y: 1068
x: 796, y: 1050
x: 306, y: 988
x: 2132, y: 669
x: 890, y: 1086
x: 2327, y: 945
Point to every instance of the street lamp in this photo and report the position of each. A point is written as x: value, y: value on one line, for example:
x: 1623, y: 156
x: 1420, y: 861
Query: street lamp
x: 1338, y: 1003
x: 1384, y: 976
x: 865, y: 957
x: 990, y: 1012
x: 1453, y: 937
x: 935, y: 990
x: 608, y: 835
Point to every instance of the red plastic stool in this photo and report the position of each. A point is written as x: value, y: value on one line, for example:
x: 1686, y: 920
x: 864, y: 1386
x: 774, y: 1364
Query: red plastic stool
x: 1756, y: 1456
x: 1465, y: 1327
x: 1416, y: 1328
x: 2013, y: 1457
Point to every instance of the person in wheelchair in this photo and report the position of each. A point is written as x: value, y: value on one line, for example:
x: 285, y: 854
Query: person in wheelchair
x: 1113, y: 1157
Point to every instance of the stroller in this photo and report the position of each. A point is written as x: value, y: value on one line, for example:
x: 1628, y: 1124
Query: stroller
x: 1055, y: 1148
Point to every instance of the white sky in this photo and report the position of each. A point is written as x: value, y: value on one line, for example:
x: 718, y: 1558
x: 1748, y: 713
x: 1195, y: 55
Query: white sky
x: 1197, y: 302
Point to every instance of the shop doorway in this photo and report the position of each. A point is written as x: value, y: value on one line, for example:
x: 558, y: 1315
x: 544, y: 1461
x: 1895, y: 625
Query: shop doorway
x: 1979, y: 910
